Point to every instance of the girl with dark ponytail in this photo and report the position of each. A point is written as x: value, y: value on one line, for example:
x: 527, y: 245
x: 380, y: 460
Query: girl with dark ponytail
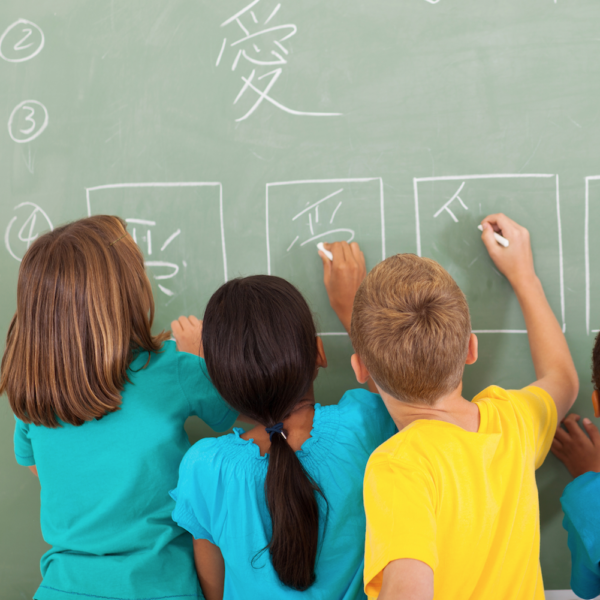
x: 277, y: 512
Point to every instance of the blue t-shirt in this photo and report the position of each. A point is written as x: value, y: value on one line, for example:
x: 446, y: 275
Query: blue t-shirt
x: 581, y: 505
x: 220, y: 497
x: 105, y: 505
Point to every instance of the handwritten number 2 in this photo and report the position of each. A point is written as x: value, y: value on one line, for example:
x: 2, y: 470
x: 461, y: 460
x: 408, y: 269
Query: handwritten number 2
x: 19, y: 46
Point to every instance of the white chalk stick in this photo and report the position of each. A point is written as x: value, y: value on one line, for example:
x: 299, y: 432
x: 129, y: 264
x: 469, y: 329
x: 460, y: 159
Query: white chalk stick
x: 501, y: 240
x: 328, y: 254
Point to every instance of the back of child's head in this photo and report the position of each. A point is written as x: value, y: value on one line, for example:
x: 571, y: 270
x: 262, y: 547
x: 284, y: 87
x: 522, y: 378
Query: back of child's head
x: 84, y: 306
x: 260, y: 348
x: 411, y: 329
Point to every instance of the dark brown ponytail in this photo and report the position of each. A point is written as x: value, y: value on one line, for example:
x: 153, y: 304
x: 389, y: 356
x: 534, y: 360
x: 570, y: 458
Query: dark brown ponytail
x: 259, y: 342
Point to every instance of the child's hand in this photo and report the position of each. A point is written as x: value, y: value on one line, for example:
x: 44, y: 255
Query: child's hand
x: 187, y: 332
x: 343, y: 276
x: 516, y: 261
x: 575, y: 449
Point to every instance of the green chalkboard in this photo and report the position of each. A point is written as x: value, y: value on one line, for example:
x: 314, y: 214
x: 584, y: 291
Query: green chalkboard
x: 235, y: 135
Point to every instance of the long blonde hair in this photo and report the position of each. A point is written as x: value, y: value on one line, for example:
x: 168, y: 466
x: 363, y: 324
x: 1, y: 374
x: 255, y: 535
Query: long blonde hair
x: 84, y: 308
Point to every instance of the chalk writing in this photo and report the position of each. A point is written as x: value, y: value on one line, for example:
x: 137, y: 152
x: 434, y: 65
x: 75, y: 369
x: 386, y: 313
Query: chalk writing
x: 34, y: 220
x: 27, y: 121
x: 446, y: 206
x: 166, y: 270
x: 313, y: 220
x: 21, y: 41
x: 256, y: 38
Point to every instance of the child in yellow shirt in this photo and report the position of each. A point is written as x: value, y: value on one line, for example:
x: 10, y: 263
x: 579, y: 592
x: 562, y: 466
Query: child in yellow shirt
x: 451, y: 500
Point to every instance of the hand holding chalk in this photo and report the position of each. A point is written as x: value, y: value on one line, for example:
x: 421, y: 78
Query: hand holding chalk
x: 514, y: 260
x: 343, y: 271
x: 501, y: 240
x: 321, y: 247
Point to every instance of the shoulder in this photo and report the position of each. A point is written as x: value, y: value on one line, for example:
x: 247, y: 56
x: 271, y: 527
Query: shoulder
x: 161, y: 364
x: 206, y: 454
x: 532, y: 404
x: 400, y: 459
x: 360, y: 407
x: 364, y: 415
x: 501, y: 396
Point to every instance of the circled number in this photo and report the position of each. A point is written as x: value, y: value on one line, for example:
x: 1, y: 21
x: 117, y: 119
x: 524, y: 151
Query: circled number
x: 21, y: 41
x: 35, y: 219
x: 27, y: 121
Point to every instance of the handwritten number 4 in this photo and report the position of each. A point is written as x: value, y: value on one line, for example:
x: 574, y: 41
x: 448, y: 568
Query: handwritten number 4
x: 18, y: 45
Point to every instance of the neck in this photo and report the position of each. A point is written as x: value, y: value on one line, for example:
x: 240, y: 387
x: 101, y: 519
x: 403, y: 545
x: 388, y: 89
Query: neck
x: 452, y: 408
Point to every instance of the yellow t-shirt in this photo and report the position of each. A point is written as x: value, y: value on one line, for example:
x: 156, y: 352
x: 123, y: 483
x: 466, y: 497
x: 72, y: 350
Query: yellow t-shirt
x: 464, y: 503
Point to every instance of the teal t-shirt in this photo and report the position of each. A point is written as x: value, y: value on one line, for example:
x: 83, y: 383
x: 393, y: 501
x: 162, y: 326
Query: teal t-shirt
x: 221, y: 498
x: 105, y: 505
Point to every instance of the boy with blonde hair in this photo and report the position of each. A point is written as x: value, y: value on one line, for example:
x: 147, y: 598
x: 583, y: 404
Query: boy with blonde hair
x: 451, y: 500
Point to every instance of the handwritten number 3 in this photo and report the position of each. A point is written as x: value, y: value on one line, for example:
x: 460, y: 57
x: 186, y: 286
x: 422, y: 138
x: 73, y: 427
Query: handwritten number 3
x: 29, y: 118
x: 18, y: 45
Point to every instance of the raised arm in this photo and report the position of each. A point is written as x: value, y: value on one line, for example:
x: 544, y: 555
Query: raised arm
x: 342, y: 277
x: 552, y: 360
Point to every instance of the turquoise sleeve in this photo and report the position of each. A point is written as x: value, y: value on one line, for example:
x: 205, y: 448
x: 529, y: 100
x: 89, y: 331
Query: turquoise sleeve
x: 204, y: 400
x: 583, y: 526
x: 23, y: 448
x: 196, y: 491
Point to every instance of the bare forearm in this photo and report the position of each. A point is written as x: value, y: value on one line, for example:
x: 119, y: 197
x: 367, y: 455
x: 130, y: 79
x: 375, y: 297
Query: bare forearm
x: 549, y: 349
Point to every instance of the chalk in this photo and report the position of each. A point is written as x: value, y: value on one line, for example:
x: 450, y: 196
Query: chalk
x: 501, y: 240
x: 328, y: 254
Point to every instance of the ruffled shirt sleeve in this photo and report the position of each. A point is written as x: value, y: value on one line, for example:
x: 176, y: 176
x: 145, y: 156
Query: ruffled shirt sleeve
x: 198, y: 494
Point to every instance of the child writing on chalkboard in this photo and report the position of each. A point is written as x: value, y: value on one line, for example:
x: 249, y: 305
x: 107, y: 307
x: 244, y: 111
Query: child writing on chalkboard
x: 277, y: 511
x: 451, y: 500
x: 100, y: 405
x: 581, y: 499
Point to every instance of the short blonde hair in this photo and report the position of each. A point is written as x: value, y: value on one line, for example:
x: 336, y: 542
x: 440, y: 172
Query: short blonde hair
x: 84, y: 309
x: 411, y: 328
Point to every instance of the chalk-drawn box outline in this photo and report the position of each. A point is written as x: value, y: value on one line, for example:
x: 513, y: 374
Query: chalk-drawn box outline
x: 183, y: 184
x: 316, y: 181
x: 417, y: 180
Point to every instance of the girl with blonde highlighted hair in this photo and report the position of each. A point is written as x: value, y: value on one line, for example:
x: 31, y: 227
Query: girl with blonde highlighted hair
x: 100, y: 404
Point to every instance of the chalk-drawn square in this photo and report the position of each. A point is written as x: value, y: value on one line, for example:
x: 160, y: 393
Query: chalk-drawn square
x: 300, y: 214
x: 448, y: 211
x: 179, y: 228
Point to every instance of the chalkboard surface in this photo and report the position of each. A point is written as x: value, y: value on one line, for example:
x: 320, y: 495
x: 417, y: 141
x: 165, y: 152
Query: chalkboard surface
x: 235, y: 135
